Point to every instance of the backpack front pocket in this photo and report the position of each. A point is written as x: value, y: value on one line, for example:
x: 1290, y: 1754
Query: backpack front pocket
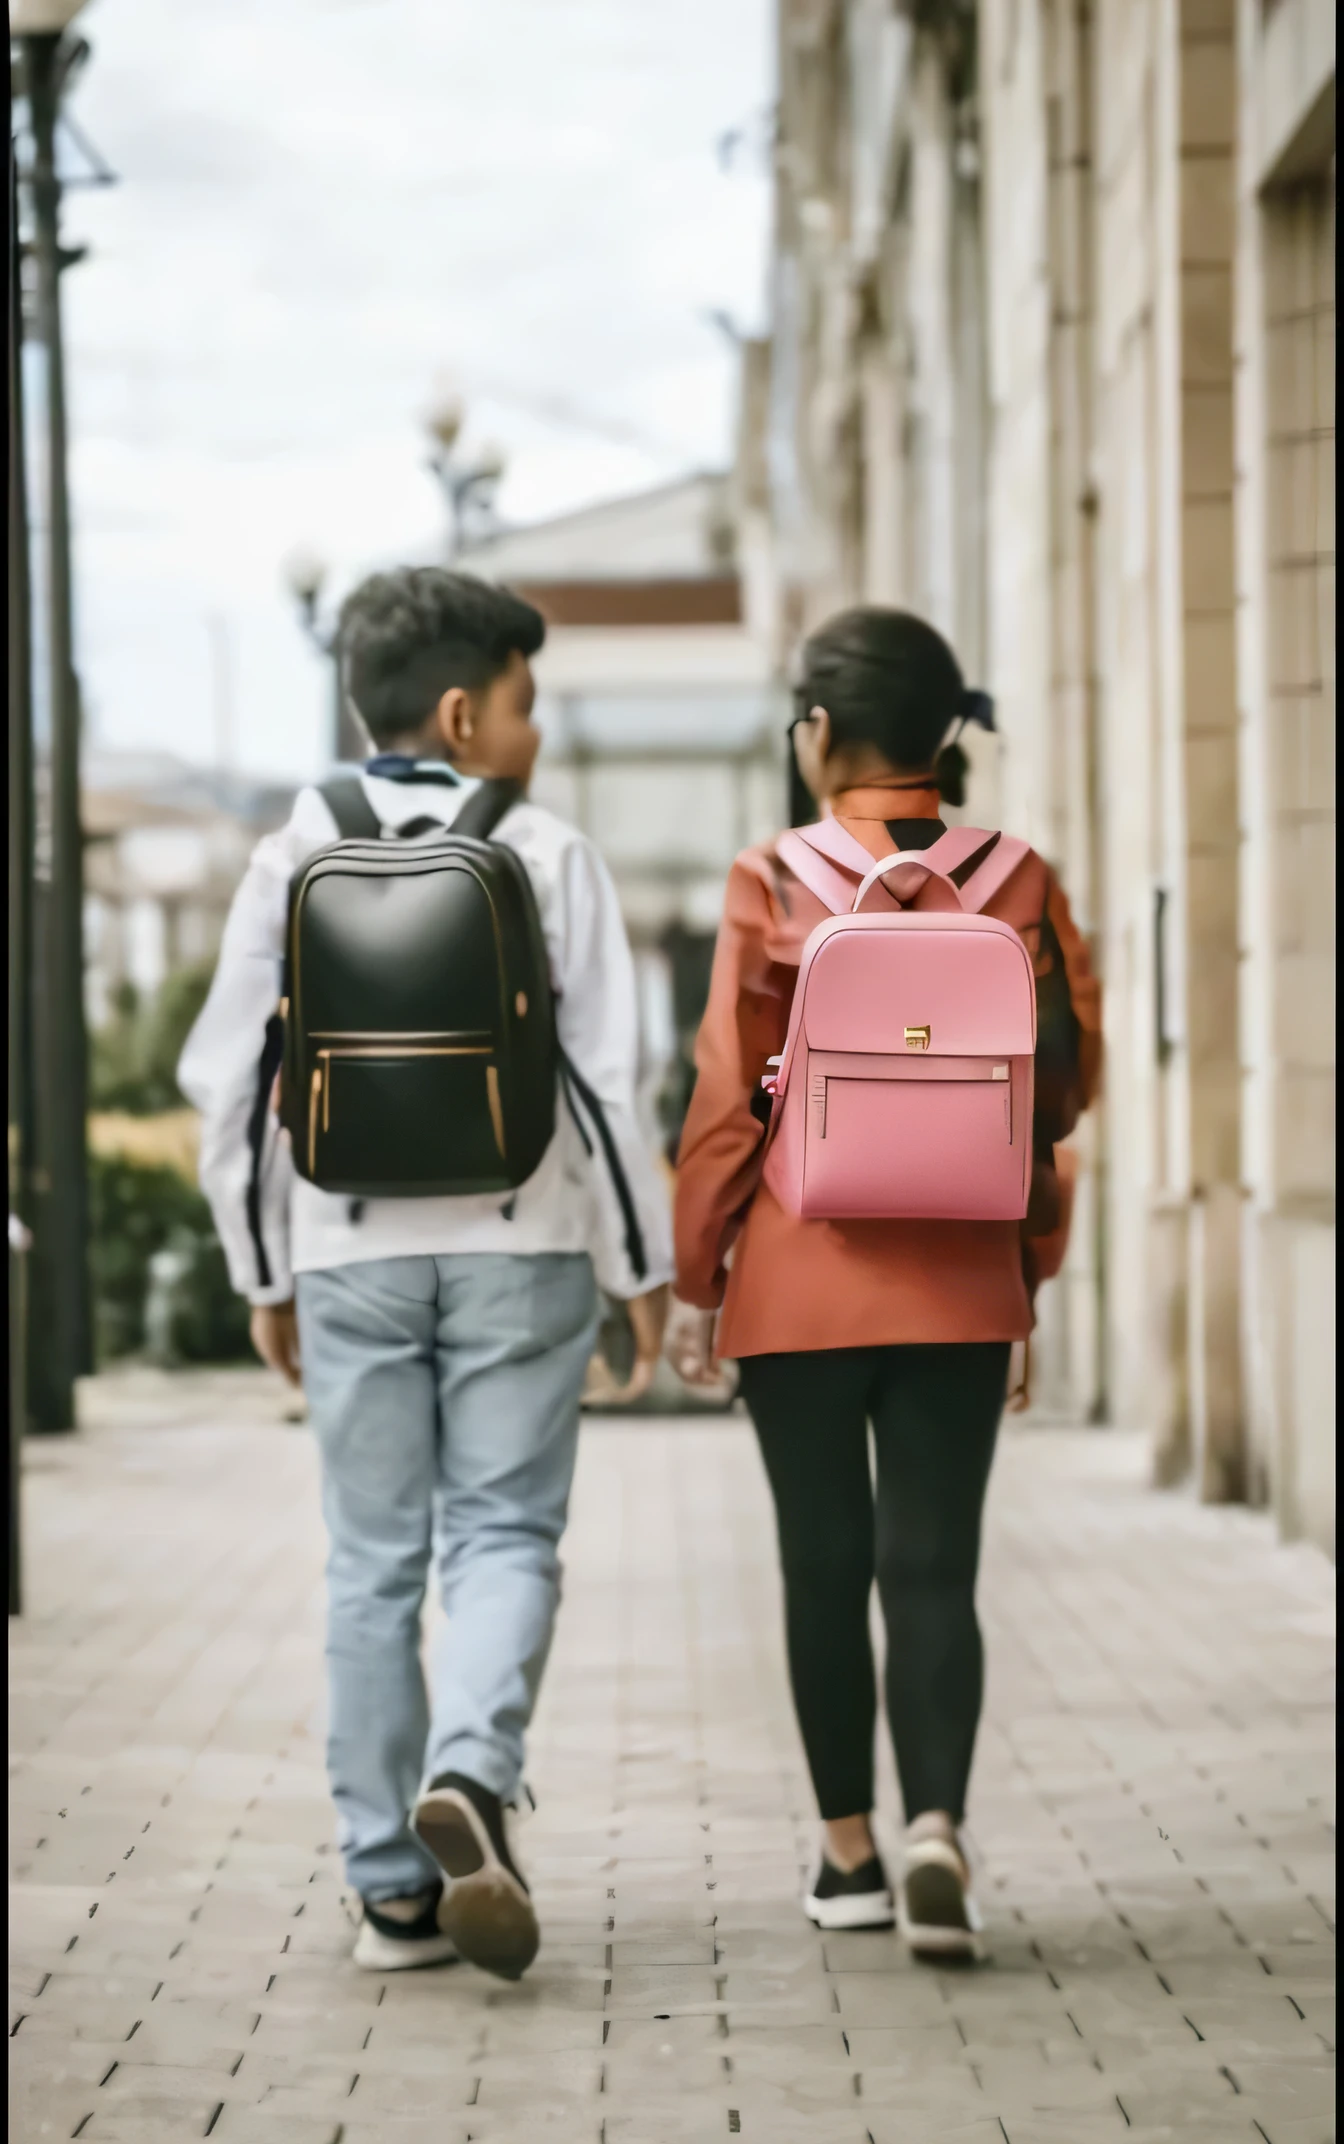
x: 915, y: 1147
x: 363, y: 1097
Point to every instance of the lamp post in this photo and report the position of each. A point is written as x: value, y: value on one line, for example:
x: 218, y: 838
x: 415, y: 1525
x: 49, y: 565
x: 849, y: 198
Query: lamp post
x: 468, y: 482
x: 62, y: 1321
x: 305, y: 577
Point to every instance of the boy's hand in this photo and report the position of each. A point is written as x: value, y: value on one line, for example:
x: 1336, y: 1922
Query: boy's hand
x: 690, y: 1347
x: 275, y: 1336
x: 648, y: 1321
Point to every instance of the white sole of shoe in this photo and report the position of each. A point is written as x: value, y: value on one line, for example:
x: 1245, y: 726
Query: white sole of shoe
x: 877, y: 1909
x: 377, y: 1953
x: 936, y: 1914
x: 485, y: 1909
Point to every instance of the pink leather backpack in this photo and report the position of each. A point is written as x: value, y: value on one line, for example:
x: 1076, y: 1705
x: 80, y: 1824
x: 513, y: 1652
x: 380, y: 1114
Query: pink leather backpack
x: 905, y: 1087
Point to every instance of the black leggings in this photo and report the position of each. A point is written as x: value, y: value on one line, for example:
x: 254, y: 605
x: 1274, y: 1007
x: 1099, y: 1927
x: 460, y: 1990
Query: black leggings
x: 934, y: 1413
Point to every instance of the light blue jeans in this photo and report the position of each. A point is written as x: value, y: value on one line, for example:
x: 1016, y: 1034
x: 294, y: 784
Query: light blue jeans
x: 445, y: 1396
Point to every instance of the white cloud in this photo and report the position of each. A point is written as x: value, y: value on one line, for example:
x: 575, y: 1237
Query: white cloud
x: 325, y: 203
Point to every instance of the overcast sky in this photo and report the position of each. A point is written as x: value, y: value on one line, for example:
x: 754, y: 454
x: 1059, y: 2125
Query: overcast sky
x: 323, y: 207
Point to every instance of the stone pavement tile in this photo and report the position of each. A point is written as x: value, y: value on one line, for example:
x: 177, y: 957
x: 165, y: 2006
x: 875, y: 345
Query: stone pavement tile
x: 1290, y: 2130
x: 704, y: 2124
x: 133, y: 2110
x: 261, y: 2125
x: 889, y: 1999
x: 1155, y: 2097
x: 627, y: 2076
x: 1100, y: 2127
x: 868, y: 1951
x: 679, y: 1946
x: 1205, y: 2129
x: 646, y: 1988
x: 1295, y: 2090
x: 1312, y: 1968
x: 454, y: 2128
x: 661, y: 2038
x: 903, y: 2049
x: 937, y: 2126
x: 503, y: 2080
x: 382, y: 2092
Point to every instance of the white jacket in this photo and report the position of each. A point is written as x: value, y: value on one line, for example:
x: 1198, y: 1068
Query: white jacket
x: 568, y: 1204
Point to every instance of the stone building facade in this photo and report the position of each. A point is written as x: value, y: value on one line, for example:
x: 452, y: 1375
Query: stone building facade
x: 1051, y: 361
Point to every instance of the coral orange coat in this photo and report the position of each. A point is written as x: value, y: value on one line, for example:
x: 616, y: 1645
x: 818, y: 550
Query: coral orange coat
x: 788, y: 1285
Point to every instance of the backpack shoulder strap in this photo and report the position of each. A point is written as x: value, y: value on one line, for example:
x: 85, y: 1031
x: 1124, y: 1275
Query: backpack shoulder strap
x: 827, y: 860
x: 988, y: 876
x: 347, y: 801
x: 484, y: 809
x: 978, y: 863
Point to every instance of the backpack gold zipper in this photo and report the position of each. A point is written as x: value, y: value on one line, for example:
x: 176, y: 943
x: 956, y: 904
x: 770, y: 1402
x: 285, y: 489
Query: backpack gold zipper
x: 321, y: 1084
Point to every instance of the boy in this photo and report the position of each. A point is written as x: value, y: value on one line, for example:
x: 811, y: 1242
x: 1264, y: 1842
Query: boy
x: 443, y: 1341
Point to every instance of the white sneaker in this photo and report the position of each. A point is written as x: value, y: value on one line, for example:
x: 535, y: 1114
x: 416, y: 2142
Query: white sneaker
x: 388, y: 1944
x: 935, y: 1910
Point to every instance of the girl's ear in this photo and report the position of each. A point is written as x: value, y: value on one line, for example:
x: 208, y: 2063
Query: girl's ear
x: 821, y: 732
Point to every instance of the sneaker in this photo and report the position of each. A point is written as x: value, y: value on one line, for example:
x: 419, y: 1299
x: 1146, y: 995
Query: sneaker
x: 861, y: 1899
x: 393, y: 1942
x: 936, y: 1913
x: 487, y: 1909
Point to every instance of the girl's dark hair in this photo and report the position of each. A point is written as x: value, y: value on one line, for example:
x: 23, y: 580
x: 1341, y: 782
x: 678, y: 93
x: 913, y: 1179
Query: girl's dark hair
x: 406, y: 638
x: 888, y: 680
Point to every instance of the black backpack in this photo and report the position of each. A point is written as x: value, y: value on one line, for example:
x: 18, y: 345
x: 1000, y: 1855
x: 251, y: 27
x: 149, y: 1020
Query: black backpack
x: 419, y: 1045
x: 415, y: 1040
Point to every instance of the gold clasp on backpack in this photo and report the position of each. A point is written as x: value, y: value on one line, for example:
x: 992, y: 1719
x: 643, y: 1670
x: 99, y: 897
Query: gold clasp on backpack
x: 917, y: 1038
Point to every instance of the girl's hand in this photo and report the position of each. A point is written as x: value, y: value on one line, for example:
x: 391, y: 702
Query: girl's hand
x: 689, y: 1347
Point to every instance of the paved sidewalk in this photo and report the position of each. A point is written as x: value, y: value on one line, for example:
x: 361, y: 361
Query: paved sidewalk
x: 1153, y: 1806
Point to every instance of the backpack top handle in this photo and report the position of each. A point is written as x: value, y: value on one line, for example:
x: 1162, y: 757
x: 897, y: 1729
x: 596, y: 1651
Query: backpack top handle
x: 918, y: 883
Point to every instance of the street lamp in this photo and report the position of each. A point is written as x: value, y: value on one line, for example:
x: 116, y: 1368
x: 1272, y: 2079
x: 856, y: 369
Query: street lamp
x: 468, y: 482
x: 306, y: 577
x: 49, y: 60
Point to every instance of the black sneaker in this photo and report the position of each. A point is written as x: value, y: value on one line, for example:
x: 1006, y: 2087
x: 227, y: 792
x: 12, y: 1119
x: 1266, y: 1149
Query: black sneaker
x: 392, y: 1943
x: 487, y: 1910
x: 861, y: 1899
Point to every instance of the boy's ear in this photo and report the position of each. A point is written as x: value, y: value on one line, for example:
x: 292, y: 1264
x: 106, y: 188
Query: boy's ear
x: 454, y: 718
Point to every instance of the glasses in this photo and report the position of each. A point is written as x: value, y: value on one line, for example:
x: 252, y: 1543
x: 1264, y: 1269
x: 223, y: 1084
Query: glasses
x: 803, y: 717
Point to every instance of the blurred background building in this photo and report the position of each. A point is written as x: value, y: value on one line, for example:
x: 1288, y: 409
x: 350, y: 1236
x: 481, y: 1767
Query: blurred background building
x: 165, y: 847
x: 1052, y: 362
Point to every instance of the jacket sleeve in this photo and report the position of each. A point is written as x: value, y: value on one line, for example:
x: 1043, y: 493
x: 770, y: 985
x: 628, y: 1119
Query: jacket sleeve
x: 719, y: 1161
x: 245, y: 1168
x: 597, y: 1023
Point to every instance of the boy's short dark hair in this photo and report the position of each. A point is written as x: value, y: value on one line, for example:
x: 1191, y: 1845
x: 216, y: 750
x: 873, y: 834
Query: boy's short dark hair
x: 408, y: 637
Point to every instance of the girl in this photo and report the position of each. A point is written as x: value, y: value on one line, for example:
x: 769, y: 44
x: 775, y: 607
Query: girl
x: 904, y: 1326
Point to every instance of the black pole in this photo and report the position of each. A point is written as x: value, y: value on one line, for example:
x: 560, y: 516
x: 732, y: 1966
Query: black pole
x: 65, y: 1307
x: 20, y: 905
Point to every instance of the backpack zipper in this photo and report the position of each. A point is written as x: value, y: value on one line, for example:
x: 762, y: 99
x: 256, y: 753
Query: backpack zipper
x: 320, y: 1089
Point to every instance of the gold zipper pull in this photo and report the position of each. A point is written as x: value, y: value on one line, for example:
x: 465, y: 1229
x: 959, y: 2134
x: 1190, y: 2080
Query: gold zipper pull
x: 314, y: 1096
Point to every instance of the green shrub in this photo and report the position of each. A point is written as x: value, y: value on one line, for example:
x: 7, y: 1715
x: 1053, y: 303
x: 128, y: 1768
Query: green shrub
x: 191, y: 1311
x: 133, y: 1057
x: 136, y: 1213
